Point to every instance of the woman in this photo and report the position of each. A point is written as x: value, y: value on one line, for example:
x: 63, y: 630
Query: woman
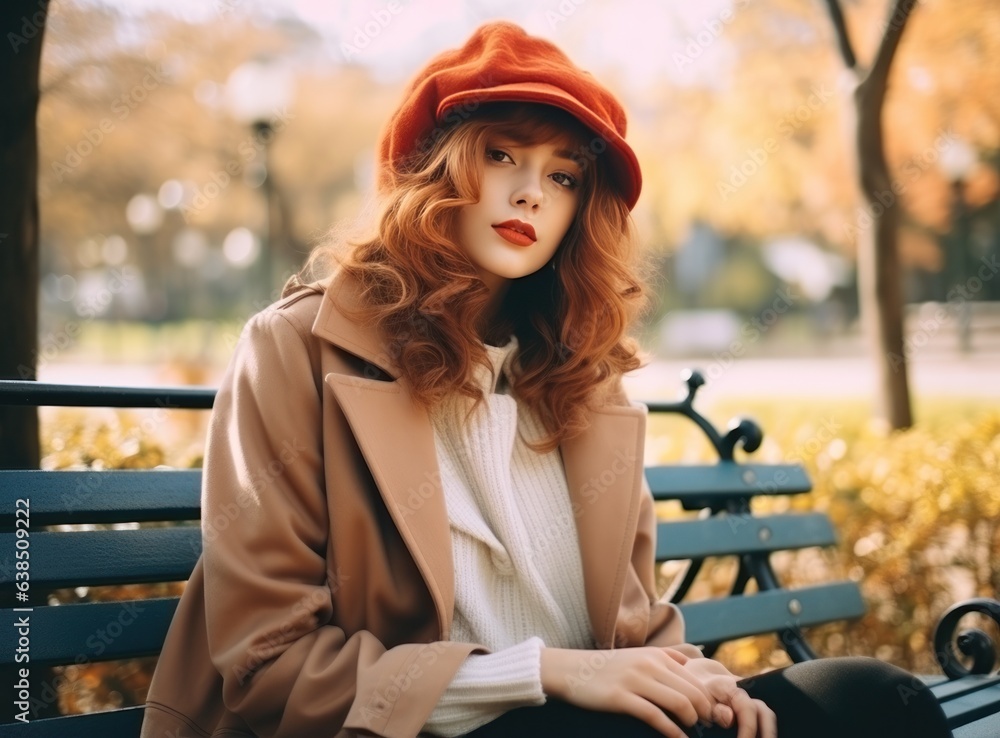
x: 424, y: 508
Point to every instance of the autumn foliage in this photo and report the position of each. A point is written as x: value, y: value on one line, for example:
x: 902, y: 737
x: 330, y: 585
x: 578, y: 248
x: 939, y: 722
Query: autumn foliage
x: 917, y: 515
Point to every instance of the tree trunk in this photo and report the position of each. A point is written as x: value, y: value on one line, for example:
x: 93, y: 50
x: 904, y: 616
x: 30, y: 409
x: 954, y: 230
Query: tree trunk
x: 879, y: 287
x: 879, y: 279
x: 23, y: 22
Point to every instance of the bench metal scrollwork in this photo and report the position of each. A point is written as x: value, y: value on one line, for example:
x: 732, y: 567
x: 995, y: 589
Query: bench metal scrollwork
x: 972, y: 642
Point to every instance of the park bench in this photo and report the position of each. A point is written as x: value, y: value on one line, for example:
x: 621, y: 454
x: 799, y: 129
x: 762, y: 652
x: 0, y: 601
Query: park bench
x: 721, y: 491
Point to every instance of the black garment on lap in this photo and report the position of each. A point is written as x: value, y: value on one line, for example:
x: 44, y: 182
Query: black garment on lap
x: 851, y: 697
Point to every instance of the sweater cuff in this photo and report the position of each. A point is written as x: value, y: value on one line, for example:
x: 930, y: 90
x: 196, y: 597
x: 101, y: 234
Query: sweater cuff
x: 488, y: 685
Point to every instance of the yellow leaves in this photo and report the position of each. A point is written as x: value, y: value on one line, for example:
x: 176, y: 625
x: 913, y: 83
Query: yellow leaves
x: 746, y: 655
x: 108, y: 439
x: 869, y: 544
x: 917, y: 513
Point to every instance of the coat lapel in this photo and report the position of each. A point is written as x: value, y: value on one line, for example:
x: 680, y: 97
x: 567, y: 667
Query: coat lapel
x: 603, y: 468
x: 396, y: 438
x: 604, y: 474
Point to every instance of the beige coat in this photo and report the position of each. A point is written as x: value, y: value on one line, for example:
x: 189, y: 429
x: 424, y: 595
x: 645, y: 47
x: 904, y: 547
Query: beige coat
x: 322, y: 602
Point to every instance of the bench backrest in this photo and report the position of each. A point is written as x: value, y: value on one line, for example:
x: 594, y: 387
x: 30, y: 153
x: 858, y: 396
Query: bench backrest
x: 75, y: 554
x: 722, y: 492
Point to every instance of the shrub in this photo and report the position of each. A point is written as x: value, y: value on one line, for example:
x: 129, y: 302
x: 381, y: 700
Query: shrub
x: 917, y: 512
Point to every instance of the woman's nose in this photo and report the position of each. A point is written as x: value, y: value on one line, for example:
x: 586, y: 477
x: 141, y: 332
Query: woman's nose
x: 528, y: 192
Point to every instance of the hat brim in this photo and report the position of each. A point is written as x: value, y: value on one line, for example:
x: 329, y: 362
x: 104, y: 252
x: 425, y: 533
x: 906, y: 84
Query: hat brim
x: 623, y: 163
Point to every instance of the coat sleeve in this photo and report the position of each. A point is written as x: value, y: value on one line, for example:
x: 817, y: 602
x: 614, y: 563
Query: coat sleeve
x: 286, y: 669
x: 664, y: 621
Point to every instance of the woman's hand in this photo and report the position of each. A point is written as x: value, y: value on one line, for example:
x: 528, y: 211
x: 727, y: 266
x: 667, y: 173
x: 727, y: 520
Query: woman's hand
x: 645, y: 682
x: 753, y: 718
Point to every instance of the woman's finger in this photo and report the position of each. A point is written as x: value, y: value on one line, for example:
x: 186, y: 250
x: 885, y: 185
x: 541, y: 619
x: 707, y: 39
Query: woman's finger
x: 701, y: 696
x: 723, y: 715
x: 652, y: 715
x: 676, y: 697
x: 746, y: 713
x: 766, y: 720
x: 693, y: 687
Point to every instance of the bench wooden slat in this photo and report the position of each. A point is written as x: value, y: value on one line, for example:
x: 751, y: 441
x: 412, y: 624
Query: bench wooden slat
x: 91, y: 558
x: 987, y: 727
x: 739, y: 534
x: 946, y: 689
x: 704, y: 485
x: 125, y: 721
x: 43, y: 394
x: 114, y: 496
x: 728, y: 618
x: 100, y: 631
x: 969, y: 699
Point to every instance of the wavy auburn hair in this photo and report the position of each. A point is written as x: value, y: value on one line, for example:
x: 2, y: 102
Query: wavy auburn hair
x: 419, y: 288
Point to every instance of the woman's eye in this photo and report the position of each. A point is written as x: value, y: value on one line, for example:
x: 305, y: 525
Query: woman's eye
x: 497, y: 155
x: 564, y: 179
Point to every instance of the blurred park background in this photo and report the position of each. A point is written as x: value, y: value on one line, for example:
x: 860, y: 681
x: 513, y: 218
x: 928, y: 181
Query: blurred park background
x: 192, y: 152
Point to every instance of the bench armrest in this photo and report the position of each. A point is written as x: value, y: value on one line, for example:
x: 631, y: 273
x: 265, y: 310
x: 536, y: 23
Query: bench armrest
x: 972, y: 642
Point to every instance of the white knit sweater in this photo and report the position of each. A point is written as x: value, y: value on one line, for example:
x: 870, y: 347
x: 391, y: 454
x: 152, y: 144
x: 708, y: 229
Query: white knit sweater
x: 518, y: 574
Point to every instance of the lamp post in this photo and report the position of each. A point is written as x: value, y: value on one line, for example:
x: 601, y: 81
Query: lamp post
x: 256, y: 93
x: 145, y: 216
x: 956, y: 162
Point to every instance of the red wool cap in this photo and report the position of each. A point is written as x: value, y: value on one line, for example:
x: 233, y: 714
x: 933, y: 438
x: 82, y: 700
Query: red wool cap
x: 502, y: 63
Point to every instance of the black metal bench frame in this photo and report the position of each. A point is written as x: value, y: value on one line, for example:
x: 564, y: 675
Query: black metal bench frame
x: 726, y: 527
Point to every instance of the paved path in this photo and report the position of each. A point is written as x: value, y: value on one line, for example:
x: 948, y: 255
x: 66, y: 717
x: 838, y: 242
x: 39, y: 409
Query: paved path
x: 975, y: 376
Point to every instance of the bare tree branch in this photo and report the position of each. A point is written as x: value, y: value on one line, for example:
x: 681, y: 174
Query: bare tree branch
x: 879, y: 74
x: 843, y: 40
x: 870, y: 95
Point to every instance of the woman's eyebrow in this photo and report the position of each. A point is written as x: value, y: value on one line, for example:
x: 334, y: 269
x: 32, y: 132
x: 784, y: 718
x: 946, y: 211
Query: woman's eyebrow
x: 508, y: 140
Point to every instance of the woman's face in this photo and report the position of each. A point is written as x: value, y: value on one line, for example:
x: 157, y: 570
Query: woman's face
x: 528, y: 198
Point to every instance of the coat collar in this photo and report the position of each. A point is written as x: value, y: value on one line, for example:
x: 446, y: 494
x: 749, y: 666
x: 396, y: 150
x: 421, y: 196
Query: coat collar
x: 333, y: 324
x: 603, y: 466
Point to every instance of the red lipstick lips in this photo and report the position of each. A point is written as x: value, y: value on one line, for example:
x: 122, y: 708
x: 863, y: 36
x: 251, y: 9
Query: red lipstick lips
x: 516, y: 231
